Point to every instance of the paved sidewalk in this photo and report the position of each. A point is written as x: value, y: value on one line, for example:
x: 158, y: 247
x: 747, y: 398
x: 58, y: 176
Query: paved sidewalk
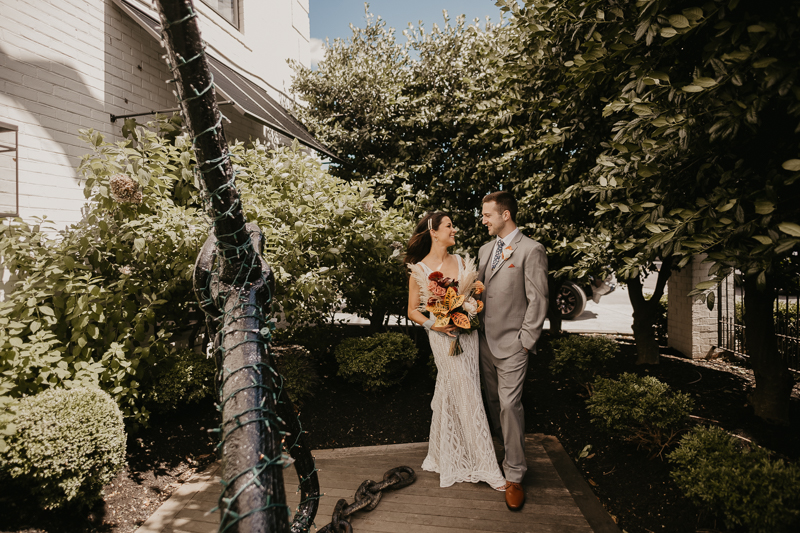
x: 558, y: 498
x: 612, y: 316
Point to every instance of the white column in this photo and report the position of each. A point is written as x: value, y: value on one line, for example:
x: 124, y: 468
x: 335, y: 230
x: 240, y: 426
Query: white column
x: 691, y: 327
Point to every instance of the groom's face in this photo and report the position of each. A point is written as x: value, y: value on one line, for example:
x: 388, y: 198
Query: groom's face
x: 494, y: 221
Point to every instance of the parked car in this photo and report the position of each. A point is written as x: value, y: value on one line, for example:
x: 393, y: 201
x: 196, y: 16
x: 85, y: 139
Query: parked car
x: 573, y: 295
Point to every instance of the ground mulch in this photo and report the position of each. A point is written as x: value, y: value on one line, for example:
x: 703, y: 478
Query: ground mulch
x: 636, y: 491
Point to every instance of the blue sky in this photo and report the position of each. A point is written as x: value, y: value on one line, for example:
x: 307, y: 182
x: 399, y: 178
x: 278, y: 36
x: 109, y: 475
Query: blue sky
x: 332, y: 18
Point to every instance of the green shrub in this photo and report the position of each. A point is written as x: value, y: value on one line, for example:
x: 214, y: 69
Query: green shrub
x: 639, y: 409
x: 378, y: 361
x: 8, y: 412
x: 101, y: 303
x: 737, y: 482
x: 68, y: 444
x: 299, y: 370
x: 187, y: 377
x: 581, y: 358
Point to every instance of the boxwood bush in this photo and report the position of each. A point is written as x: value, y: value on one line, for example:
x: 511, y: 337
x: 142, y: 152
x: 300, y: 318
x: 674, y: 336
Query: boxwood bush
x: 640, y: 409
x: 376, y: 362
x: 298, y: 367
x: 737, y: 481
x: 581, y: 358
x: 186, y: 378
x: 68, y: 444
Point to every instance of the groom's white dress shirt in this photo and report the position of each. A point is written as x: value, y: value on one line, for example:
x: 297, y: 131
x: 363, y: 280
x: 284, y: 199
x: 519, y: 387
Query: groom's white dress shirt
x: 506, y: 241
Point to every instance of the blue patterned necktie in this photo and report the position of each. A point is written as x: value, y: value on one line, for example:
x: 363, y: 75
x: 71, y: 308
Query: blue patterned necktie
x: 497, y: 253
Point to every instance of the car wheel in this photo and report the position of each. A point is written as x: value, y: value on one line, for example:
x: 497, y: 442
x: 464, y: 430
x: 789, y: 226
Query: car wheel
x: 571, y: 300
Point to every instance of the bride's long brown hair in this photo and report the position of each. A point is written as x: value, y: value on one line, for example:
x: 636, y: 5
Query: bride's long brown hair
x: 420, y: 243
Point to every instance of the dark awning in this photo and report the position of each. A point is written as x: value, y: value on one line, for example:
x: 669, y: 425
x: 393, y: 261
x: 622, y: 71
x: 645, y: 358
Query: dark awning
x: 248, y: 98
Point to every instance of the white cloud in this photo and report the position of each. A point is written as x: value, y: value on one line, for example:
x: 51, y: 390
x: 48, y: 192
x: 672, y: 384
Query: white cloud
x: 317, y: 51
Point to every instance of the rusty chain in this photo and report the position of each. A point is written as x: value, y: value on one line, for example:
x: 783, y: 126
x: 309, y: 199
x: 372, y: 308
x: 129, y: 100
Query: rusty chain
x: 367, y: 497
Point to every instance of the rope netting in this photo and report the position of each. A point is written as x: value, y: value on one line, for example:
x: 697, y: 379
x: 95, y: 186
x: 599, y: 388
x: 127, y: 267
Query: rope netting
x: 260, y: 433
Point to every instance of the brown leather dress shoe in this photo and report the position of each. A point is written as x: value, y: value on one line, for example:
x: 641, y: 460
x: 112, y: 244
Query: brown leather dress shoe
x: 515, y: 496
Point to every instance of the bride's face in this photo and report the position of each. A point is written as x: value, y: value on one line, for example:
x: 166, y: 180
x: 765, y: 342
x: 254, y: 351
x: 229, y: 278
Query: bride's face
x: 446, y: 233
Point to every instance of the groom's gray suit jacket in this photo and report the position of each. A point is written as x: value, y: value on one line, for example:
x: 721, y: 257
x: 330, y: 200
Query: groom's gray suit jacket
x: 515, y: 298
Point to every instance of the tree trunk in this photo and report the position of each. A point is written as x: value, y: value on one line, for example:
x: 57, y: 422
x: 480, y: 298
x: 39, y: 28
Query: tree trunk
x: 645, y: 313
x: 378, y: 320
x: 774, y: 382
x: 553, y: 312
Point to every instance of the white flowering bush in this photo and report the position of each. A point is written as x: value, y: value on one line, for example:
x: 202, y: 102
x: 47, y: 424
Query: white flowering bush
x: 67, y: 445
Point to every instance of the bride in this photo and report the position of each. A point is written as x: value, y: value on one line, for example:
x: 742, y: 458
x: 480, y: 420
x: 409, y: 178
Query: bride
x: 460, y: 446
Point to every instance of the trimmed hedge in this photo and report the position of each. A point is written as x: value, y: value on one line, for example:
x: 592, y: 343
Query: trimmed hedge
x: 581, y: 358
x: 186, y: 378
x: 643, y: 410
x: 298, y: 367
x: 68, y: 444
x: 376, y: 362
x: 738, y: 482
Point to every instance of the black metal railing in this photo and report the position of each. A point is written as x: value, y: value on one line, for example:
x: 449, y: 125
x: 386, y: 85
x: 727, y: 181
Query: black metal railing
x: 731, y: 331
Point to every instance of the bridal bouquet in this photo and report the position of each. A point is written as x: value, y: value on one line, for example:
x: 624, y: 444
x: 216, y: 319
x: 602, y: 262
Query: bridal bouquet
x: 448, y: 305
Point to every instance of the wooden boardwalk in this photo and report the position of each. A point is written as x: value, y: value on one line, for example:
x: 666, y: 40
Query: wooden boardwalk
x: 558, y: 499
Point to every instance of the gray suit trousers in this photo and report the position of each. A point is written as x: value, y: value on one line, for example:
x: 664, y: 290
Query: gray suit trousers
x: 506, y: 414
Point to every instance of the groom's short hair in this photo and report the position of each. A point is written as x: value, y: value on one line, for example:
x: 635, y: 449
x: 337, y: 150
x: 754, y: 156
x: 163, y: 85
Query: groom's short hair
x: 505, y: 202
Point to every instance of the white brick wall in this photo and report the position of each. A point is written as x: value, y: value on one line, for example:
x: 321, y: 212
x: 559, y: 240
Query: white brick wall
x: 692, y: 328
x: 69, y: 64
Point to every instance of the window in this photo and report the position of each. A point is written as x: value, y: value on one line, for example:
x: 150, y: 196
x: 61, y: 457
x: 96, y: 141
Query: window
x: 227, y: 9
x: 9, y: 171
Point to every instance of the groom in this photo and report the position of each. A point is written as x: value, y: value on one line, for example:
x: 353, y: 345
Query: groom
x: 513, y: 269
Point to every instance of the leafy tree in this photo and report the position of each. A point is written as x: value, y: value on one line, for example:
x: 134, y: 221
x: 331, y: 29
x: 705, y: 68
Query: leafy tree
x: 700, y: 105
x: 432, y: 115
x: 109, y: 301
x: 406, y: 114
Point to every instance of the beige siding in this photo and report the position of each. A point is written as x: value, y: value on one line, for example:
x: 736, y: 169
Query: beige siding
x: 69, y: 64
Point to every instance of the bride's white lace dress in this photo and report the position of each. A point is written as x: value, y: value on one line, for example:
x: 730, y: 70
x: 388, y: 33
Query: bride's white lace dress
x: 460, y: 446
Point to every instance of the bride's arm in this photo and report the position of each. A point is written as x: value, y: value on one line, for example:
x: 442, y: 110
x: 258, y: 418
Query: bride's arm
x: 415, y: 315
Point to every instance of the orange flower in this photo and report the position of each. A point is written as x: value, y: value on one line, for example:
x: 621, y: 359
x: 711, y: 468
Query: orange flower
x: 478, y: 288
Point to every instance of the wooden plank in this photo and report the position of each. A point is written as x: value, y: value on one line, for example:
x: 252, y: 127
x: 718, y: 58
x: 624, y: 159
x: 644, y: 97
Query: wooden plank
x: 504, y: 524
x: 423, y: 507
x: 377, y: 526
x: 476, y: 500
